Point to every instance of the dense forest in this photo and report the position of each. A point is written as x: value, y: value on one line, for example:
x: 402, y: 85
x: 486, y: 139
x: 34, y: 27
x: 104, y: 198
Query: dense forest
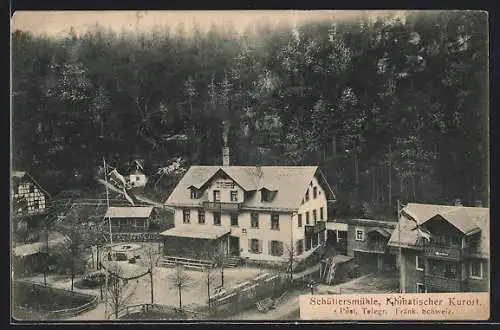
x: 390, y: 108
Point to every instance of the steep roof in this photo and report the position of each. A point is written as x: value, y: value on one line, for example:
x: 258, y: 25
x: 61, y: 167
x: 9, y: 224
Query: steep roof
x: 18, y: 176
x: 129, y: 212
x: 467, y: 220
x: 291, y: 183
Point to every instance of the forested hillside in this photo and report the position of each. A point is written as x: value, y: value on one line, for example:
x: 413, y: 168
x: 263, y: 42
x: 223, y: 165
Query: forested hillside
x: 387, y: 107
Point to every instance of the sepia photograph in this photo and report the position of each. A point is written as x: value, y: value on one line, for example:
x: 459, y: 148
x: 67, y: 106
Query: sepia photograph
x: 223, y: 165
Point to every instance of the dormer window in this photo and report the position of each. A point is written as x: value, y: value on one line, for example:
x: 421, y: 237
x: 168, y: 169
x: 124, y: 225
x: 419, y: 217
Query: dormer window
x: 264, y: 195
x: 307, y: 195
x: 315, y: 192
x: 195, y: 193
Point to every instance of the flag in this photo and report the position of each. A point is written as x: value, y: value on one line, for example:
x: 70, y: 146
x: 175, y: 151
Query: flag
x: 117, y: 178
x: 424, y: 234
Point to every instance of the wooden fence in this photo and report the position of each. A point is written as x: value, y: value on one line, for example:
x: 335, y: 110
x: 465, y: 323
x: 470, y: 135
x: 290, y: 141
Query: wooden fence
x: 67, y: 312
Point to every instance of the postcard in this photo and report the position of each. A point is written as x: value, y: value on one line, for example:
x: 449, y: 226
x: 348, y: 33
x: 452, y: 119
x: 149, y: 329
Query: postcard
x: 280, y: 165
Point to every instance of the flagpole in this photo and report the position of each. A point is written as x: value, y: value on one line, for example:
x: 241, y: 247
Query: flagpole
x: 401, y: 281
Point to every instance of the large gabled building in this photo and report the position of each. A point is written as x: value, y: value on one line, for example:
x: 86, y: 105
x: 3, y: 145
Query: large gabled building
x: 442, y: 248
x: 257, y: 213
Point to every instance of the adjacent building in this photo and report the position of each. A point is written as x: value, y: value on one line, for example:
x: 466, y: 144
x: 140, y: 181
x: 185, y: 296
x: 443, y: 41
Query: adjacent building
x: 129, y: 219
x: 367, y: 242
x: 442, y: 248
x: 257, y: 213
x: 28, y: 196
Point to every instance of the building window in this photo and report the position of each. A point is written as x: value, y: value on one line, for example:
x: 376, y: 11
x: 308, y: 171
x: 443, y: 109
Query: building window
x: 234, y: 220
x: 299, y: 220
x: 217, y: 218
x: 255, y: 245
x: 137, y: 178
x: 275, y: 221
x: 216, y: 195
x: 114, y: 222
x: 300, y: 247
x: 419, y: 263
x: 276, y: 248
x: 315, y: 217
x: 186, y: 216
x: 234, y: 195
x: 194, y: 194
x: 201, y: 216
x: 315, y: 192
x: 476, y: 269
x: 321, y: 216
x: 421, y: 288
x: 307, y: 194
x: 254, y: 219
x: 360, y: 234
x: 307, y: 218
x: 31, y: 188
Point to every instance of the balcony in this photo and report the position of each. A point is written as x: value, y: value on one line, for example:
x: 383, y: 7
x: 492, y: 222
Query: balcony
x: 443, y: 284
x: 443, y: 252
x: 221, y: 206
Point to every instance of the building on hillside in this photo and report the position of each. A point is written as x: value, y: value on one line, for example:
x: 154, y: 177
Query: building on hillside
x: 443, y: 248
x: 28, y: 196
x: 256, y: 213
x: 129, y: 219
x: 137, y: 178
x: 367, y: 243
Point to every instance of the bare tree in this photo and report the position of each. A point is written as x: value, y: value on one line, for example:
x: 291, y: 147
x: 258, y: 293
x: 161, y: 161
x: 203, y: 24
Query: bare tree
x: 219, y: 258
x: 180, y: 279
x: 73, y: 249
x: 151, y: 258
x: 209, y: 278
x: 119, y: 292
x: 291, y: 260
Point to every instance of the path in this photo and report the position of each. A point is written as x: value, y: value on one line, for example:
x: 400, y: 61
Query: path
x: 289, y: 308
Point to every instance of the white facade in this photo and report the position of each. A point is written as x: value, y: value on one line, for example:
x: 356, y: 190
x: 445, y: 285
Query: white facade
x: 289, y: 233
x: 137, y: 179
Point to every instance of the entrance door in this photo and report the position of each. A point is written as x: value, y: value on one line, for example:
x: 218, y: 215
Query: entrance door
x: 234, y: 246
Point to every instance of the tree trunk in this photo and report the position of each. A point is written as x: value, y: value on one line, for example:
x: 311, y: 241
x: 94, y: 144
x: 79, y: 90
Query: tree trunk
x: 72, y: 277
x: 180, y: 297
x: 222, y: 273
x: 151, y: 281
x: 97, y: 257
x: 208, y: 289
x: 414, y: 188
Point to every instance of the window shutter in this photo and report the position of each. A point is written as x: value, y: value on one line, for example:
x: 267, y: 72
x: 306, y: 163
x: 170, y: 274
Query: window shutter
x: 260, y: 246
x: 249, y: 245
x: 280, y: 251
x: 270, y: 248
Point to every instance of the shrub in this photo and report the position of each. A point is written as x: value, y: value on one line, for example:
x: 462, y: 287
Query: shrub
x: 93, y: 280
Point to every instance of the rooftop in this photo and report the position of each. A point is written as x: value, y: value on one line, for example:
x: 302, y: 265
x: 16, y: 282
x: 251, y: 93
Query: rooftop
x: 193, y: 232
x: 291, y: 182
x: 468, y: 220
x: 129, y: 212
